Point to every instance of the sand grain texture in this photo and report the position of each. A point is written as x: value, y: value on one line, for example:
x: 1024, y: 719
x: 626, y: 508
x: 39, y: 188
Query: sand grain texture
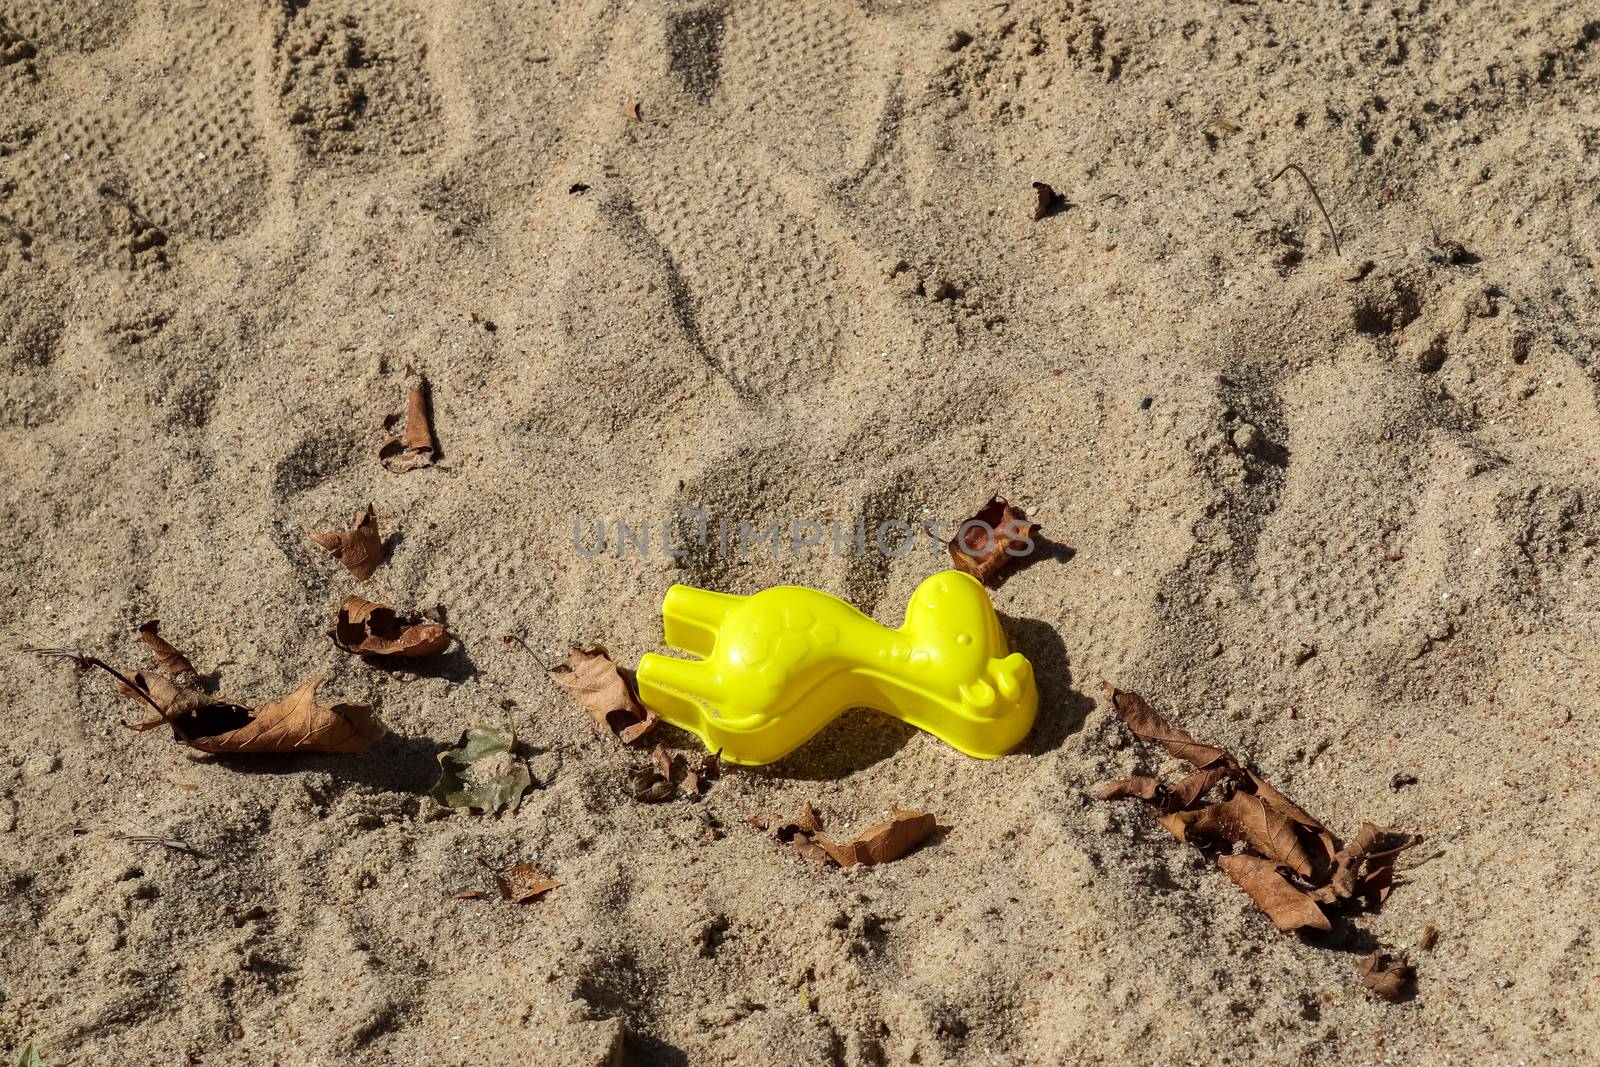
x: 1342, y: 519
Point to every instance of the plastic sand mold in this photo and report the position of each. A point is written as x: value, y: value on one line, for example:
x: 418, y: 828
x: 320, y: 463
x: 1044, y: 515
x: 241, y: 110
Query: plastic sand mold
x: 781, y: 664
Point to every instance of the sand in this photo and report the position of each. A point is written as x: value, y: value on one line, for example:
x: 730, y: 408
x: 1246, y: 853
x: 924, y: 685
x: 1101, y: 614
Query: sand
x: 1335, y: 510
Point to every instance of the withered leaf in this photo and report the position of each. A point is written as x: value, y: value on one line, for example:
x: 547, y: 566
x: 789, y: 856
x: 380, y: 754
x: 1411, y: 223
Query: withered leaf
x: 297, y: 723
x: 1140, y: 787
x: 482, y: 772
x: 882, y: 842
x: 369, y: 629
x: 1133, y: 710
x: 1385, y: 975
x: 631, y: 109
x: 804, y: 821
x: 1286, y: 906
x: 594, y: 681
x: 523, y: 883
x: 169, y: 661
x: 709, y: 769
x: 1192, y: 787
x: 415, y: 447
x: 656, y: 783
x: 469, y: 894
x: 1245, y: 817
x: 990, y: 541
x: 359, y: 548
x: 1044, y: 199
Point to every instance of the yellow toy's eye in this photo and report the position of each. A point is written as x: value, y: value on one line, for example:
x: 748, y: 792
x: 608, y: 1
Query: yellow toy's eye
x: 780, y: 665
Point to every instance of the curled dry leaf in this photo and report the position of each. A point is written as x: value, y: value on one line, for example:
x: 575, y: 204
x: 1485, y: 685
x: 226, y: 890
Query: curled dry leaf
x: 654, y: 784
x: 359, y: 548
x: 884, y: 841
x: 370, y: 629
x: 594, y: 681
x: 1386, y: 976
x: 1294, y: 869
x: 1286, y: 906
x: 1132, y: 709
x: 987, y: 543
x: 297, y: 723
x: 1044, y: 199
x: 415, y: 446
x: 524, y: 884
x: 169, y: 661
x: 482, y: 772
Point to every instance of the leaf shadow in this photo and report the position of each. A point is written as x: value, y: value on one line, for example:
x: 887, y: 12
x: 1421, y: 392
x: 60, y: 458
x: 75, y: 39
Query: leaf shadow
x: 397, y: 763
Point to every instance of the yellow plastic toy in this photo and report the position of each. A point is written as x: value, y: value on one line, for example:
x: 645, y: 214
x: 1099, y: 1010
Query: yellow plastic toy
x: 780, y: 665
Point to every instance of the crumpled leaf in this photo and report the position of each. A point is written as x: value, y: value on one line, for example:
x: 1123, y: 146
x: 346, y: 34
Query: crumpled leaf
x: 524, y: 884
x: 1364, y: 870
x: 697, y: 777
x: 1286, y: 906
x: 1132, y: 709
x: 359, y: 548
x: 1248, y: 818
x: 882, y: 842
x: 655, y: 783
x: 297, y: 723
x: 1044, y: 199
x: 369, y: 629
x: 482, y: 772
x: 594, y: 681
x: 1293, y: 868
x: 990, y: 541
x: 415, y: 447
x: 169, y: 661
x: 1386, y: 976
x: 30, y: 1057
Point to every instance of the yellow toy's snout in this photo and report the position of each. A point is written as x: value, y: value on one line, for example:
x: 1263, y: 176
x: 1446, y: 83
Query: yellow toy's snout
x: 780, y: 665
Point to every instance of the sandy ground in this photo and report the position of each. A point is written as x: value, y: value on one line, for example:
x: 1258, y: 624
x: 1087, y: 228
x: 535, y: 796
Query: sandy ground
x: 805, y: 284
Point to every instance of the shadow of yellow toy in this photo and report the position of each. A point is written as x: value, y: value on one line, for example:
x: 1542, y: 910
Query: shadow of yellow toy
x: 780, y: 665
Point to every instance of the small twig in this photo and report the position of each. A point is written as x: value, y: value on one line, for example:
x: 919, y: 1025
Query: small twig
x: 513, y: 639
x: 153, y: 839
x: 1307, y: 179
x: 83, y: 663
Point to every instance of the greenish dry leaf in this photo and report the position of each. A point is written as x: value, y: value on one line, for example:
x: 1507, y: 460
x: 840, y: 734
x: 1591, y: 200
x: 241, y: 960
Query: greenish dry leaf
x: 30, y: 1057
x: 482, y: 773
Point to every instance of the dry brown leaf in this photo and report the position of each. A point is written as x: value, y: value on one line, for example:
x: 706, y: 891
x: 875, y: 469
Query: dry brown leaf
x: 884, y: 841
x: 808, y: 850
x: 1044, y: 198
x: 594, y: 681
x: 415, y: 446
x: 1132, y: 709
x: 804, y: 821
x: 986, y: 544
x: 523, y: 883
x: 169, y: 661
x: 297, y: 723
x: 1286, y: 906
x: 1386, y: 976
x: 631, y: 109
x: 1140, y: 787
x: 1245, y: 817
x: 1192, y: 787
x: 469, y: 894
x: 359, y: 548
x: 368, y: 629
